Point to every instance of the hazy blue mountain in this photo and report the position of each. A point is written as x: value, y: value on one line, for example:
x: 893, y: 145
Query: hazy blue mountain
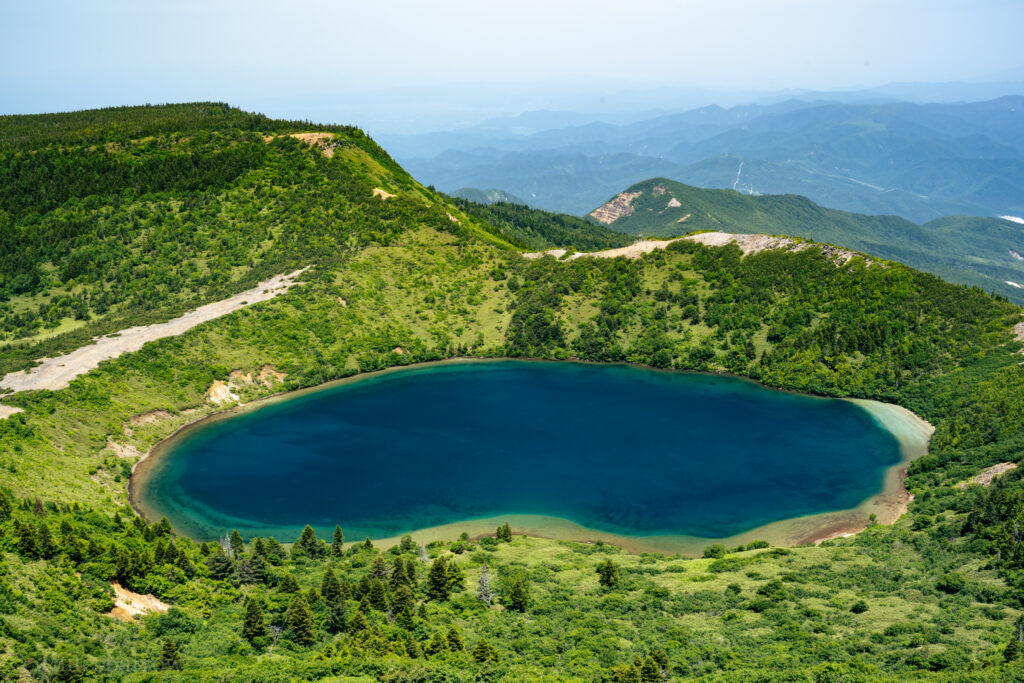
x: 919, y: 161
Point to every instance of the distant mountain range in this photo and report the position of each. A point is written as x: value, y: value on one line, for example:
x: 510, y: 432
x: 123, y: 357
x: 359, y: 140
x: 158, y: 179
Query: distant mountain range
x: 980, y: 251
x: 918, y: 161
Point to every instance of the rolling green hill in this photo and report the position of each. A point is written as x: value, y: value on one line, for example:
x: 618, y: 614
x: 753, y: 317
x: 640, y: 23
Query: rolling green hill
x: 148, y: 211
x: 971, y: 250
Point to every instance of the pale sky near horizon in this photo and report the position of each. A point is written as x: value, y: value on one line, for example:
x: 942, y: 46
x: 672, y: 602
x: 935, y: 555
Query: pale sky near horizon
x: 73, y: 54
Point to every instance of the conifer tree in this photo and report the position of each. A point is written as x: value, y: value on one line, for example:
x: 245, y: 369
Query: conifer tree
x: 170, y: 656
x: 300, y: 620
x: 338, y: 542
x: 379, y: 568
x: 504, y: 533
x: 368, y: 544
x: 337, y: 617
x: 456, y: 577
x: 330, y: 588
x: 404, y: 605
x: 253, y: 626
x: 259, y: 548
x: 378, y: 595
x: 308, y: 542
x: 607, y: 574
x: 484, y: 652
x: 46, y: 547
x: 518, y: 595
x: 237, y: 544
x: 358, y: 623
x: 455, y: 643
x: 406, y: 544
x: 438, y: 584
x: 289, y: 584
x: 437, y: 643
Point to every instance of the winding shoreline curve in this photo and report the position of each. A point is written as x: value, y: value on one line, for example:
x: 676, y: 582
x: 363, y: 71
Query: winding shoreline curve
x: 888, y: 505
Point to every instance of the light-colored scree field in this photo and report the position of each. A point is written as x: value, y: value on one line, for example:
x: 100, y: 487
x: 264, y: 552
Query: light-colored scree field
x: 56, y: 373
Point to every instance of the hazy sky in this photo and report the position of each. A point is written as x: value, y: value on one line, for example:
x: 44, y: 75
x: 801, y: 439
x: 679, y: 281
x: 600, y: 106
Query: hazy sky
x: 333, y: 59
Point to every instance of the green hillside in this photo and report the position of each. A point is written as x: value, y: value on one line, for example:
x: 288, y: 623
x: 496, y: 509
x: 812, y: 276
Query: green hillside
x: 199, y: 201
x: 541, y: 230
x: 970, y: 250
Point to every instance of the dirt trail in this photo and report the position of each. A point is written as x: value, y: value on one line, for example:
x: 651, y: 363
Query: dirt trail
x: 56, y: 373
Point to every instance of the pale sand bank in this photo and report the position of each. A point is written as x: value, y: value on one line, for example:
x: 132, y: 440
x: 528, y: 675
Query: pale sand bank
x: 888, y: 505
x: 56, y: 373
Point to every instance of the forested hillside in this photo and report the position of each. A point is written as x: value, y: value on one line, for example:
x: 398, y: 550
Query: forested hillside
x: 201, y: 200
x: 978, y: 251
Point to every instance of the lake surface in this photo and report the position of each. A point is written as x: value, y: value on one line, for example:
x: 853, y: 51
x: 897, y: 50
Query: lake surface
x: 617, y: 449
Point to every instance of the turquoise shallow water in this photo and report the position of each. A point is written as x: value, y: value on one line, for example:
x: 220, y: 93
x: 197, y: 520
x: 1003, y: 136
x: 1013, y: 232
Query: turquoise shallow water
x: 614, y: 448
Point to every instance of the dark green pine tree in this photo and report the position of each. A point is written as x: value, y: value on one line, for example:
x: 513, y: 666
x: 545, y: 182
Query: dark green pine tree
x: 456, y: 577
x: 46, y: 547
x: 170, y: 656
x: 237, y: 544
x: 336, y: 617
x: 259, y: 548
x: 504, y: 533
x: 404, y: 606
x: 518, y: 595
x: 607, y: 574
x: 438, y: 585
x: 26, y: 543
x: 308, y: 542
x: 300, y: 621
x: 368, y: 544
x: 455, y: 643
x: 289, y: 584
x: 379, y: 568
x: 378, y: 595
x: 650, y: 671
x: 330, y: 588
x: 484, y: 652
x: 253, y: 626
x: 338, y: 542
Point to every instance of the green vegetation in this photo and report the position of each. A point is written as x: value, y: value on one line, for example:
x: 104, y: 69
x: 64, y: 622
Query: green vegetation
x: 937, y: 596
x: 971, y: 250
x: 539, y: 230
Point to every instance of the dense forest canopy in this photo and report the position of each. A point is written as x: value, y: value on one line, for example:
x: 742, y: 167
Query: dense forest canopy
x: 125, y: 216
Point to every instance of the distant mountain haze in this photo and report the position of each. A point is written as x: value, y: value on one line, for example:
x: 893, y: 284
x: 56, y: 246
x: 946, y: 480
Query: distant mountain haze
x: 918, y: 161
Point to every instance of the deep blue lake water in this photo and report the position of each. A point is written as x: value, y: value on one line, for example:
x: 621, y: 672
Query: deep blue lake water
x: 614, y: 448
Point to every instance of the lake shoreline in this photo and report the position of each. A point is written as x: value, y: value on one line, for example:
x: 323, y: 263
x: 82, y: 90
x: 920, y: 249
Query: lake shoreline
x: 888, y: 505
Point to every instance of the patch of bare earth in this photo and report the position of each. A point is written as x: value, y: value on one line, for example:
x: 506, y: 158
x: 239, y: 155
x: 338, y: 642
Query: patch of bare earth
x: 749, y: 244
x: 619, y: 206
x: 675, y: 204
x: 56, y: 373
x: 985, y: 477
x: 221, y: 392
x: 1018, y: 332
x: 128, y: 605
x: 323, y: 141
x: 383, y: 194
x: 7, y: 411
